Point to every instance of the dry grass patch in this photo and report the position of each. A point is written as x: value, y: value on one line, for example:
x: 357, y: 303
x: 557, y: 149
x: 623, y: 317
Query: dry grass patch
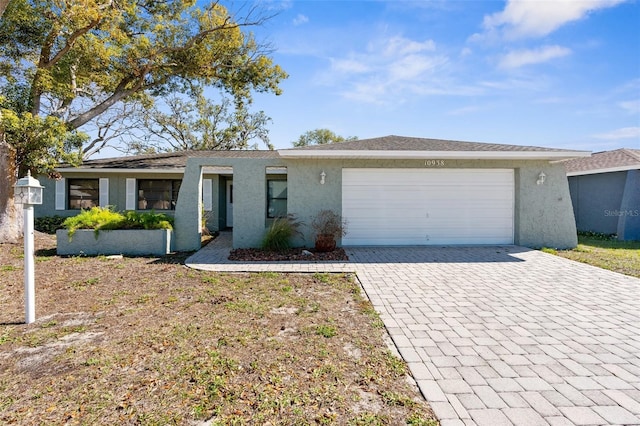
x: 149, y: 341
x: 606, y: 253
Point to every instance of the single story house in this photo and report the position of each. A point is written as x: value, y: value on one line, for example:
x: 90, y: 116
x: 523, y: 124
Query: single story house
x: 605, y: 191
x: 392, y: 191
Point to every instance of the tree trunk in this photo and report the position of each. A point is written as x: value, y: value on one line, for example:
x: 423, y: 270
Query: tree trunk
x: 3, y: 6
x: 10, y: 223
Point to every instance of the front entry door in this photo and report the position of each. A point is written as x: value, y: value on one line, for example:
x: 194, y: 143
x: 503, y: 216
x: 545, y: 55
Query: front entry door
x: 230, y: 203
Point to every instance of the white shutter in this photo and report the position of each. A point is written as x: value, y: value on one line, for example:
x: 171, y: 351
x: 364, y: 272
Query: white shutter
x: 131, y: 194
x: 207, y: 194
x: 104, y: 192
x: 60, y: 194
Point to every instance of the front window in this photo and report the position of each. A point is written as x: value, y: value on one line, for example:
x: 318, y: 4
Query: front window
x: 276, y: 198
x: 83, y: 193
x: 156, y: 194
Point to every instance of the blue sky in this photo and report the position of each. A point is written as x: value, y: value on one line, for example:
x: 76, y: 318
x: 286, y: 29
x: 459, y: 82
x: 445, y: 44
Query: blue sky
x: 557, y: 73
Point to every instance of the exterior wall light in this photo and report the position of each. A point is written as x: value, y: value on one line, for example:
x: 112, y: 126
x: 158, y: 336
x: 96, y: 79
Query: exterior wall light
x: 28, y: 191
x: 323, y: 175
x: 541, y: 178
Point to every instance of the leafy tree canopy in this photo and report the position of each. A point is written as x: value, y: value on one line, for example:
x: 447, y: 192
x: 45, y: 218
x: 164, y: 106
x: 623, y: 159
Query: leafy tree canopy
x: 320, y: 137
x: 198, y: 123
x: 66, y: 64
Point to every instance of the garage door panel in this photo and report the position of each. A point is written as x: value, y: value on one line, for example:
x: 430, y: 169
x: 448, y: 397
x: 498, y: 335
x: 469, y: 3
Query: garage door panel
x: 428, y: 206
x: 400, y: 177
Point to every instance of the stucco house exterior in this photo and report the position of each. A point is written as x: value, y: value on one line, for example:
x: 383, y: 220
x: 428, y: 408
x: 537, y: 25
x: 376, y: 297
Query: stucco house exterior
x: 605, y: 191
x: 392, y: 190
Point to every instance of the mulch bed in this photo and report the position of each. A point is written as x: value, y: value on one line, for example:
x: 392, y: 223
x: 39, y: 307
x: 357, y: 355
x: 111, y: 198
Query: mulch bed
x: 294, y: 254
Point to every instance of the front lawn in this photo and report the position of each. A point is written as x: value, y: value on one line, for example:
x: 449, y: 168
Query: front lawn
x: 149, y: 341
x: 618, y: 256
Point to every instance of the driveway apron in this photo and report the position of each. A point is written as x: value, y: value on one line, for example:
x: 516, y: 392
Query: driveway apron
x: 498, y: 335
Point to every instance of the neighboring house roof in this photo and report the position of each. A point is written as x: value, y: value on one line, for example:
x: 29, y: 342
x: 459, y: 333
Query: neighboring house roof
x: 408, y: 147
x: 604, y: 162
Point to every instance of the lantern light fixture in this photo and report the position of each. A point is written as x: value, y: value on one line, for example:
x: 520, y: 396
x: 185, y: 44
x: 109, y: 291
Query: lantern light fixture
x: 28, y: 191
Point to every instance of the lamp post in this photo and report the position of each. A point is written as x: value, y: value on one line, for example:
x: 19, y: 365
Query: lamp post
x: 28, y: 192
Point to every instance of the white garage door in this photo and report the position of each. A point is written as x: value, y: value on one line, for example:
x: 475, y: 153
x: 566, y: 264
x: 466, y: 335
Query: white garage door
x: 428, y: 206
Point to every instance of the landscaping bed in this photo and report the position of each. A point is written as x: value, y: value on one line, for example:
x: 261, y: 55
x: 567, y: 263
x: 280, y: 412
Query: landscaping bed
x: 294, y: 254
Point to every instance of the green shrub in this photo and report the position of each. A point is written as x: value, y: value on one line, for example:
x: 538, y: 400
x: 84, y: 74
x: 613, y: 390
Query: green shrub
x: 105, y: 218
x: 597, y: 235
x: 48, y: 224
x: 148, y: 220
x: 278, y: 236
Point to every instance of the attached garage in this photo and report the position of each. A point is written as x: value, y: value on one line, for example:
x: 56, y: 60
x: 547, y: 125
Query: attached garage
x: 428, y: 206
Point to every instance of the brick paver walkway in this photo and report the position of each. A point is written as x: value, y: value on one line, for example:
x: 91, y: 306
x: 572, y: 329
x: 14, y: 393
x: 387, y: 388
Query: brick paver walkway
x: 498, y: 335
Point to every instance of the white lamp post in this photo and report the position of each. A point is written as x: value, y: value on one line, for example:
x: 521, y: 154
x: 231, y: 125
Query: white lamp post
x: 28, y: 192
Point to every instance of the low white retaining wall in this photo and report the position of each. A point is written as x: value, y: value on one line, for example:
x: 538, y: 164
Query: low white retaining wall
x: 133, y: 242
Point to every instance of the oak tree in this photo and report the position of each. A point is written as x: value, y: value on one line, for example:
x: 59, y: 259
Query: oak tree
x: 320, y: 137
x: 65, y: 64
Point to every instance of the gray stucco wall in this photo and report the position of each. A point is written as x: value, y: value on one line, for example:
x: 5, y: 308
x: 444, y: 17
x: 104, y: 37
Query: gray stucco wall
x: 608, y: 203
x: 543, y: 213
x: 249, y: 214
x: 117, y: 193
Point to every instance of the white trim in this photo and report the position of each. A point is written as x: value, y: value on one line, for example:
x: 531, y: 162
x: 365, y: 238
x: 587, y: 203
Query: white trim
x: 207, y: 170
x: 123, y: 170
x: 207, y: 194
x: 130, y: 203
x: 217, y: 170
x: 607, y: 170
x: 276, y: 170
x: 61, y: 192
x: 104, y: 192
x: 423, y: 155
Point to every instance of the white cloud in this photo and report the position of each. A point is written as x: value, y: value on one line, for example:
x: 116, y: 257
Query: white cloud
x: 300, y: 19
x: 388, y: 69
x: 413, y: 67
x: 399, y: 46
x: 631, y: 107
x: 623, y: 133
x: 526, y: 18
x: 465, y: 52
x: 349, y: 66
x: 522, y: 57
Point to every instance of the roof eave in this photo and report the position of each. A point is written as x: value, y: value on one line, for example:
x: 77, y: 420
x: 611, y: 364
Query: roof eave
x: 119, y: 170
x: 424, y: 155
x: 604, y: 170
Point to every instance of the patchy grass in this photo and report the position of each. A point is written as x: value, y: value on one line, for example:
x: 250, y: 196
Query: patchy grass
x: 148, y: 341
x: 618, y: 256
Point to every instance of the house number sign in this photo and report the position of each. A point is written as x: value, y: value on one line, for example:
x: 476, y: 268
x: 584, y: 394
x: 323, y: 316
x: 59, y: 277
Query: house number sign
x: 434, y: 163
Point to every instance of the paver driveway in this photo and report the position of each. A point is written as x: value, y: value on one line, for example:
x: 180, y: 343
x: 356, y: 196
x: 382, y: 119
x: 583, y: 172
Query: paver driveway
x: 500, y: 335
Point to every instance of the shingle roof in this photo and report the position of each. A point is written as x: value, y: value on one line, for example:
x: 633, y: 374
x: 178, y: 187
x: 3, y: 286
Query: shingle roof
x: 388, y: 144
x: 171, y: 160
x: 622, y: 159
x: 403, y: 143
